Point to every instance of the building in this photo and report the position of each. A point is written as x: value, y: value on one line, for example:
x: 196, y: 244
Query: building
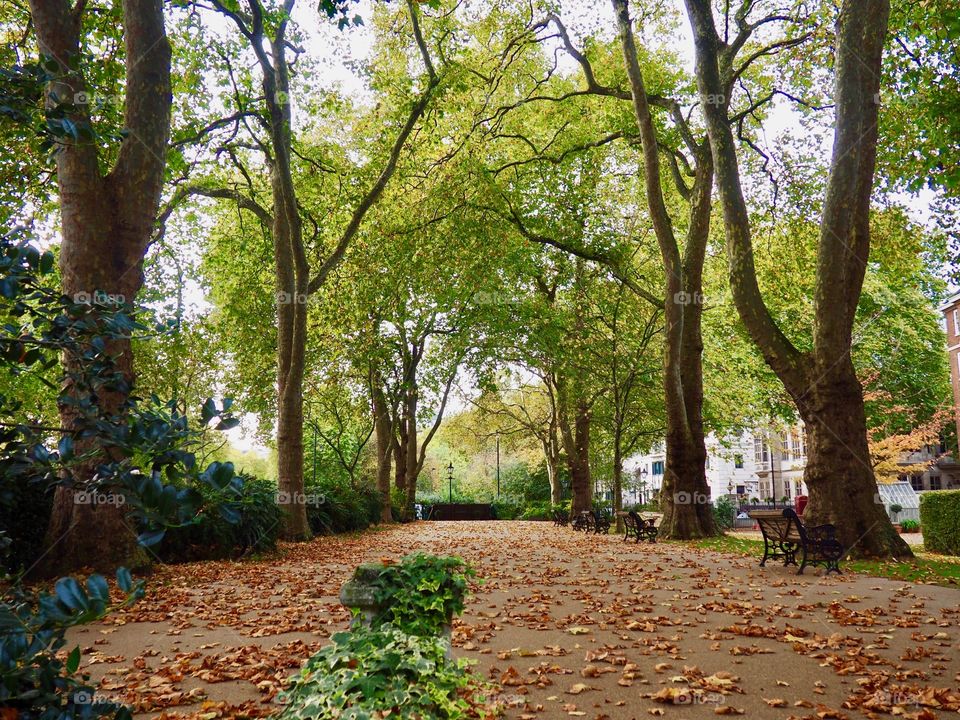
x: 951, y: 316
x: 757, y: 464
x: 768, y: 464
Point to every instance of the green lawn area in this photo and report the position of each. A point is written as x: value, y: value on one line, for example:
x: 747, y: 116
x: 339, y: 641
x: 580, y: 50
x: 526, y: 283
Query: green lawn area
x: 925, y: 568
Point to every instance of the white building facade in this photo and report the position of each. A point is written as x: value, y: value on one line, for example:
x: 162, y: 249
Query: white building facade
x: 761, y: 464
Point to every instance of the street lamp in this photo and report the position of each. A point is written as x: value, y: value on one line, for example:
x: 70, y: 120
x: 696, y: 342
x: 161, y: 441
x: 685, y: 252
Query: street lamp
x: 450, y: 481
x: 643, y: 483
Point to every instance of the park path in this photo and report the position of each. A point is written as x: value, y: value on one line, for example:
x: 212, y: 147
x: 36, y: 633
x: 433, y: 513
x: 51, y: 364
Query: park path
x: 568, y: 625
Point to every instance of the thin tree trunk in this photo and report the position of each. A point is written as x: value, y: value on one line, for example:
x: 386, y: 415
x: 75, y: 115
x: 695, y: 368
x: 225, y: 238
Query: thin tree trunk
x: 618, y: 476
x: 412, y: 452
x: 384, y: 438
x: 551, y: 461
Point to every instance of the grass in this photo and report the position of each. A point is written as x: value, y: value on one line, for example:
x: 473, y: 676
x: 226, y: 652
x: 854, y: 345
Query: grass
x: 924, y: 568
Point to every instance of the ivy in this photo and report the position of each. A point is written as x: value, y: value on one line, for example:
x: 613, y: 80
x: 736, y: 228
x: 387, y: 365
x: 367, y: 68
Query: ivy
x: 421, y: 594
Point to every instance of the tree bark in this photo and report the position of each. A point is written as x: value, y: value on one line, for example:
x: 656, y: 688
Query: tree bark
x: 383, y: 431
x: 106, y: 224
x: 822, y: 383
x: 618, y: 478
x: 685, y: 494
x: 575, y: 435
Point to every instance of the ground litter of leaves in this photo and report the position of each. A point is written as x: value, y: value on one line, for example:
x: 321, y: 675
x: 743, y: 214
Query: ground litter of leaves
x: 563, y: 625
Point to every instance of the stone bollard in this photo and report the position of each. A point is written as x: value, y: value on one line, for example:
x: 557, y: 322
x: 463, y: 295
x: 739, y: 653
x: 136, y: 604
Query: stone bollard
x: 359, y: 593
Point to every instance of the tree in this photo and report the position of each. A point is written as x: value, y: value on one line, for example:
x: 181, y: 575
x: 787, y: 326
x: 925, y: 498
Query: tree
x: 265, y: 33
x: 107, y: 220
x: 685, y: 494
x: 822, y: 381
x: 620, y: 353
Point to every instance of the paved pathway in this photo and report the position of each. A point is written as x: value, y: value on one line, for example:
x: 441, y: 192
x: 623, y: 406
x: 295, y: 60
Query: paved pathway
x: 570, y: 625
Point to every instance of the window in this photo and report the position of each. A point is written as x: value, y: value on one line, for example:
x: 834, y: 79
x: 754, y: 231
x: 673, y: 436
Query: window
x: 935, y: 483
x: 738, y: 460
x: 761, y: 453
x: 798, y: 448
x: 916, y: 482
x: 956, y: 322
x: 658, y: 467
x: 707, y: 463
x: 786, y: 490
x: 741, y: 489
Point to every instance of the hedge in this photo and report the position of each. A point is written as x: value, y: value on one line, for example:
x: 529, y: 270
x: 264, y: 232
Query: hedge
x: 940, y: 520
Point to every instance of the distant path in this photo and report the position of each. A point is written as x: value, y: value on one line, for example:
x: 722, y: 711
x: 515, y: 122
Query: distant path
x: 572, y: 625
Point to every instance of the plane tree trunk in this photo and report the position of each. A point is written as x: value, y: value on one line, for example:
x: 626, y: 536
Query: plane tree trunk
x: 685, y: 494
x: 107, y: 222
x: 822, y: 382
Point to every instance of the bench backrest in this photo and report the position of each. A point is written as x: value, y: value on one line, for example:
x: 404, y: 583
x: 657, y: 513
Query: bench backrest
x: 653, y: 518
x: 783, y: 526
x: 641, y: 520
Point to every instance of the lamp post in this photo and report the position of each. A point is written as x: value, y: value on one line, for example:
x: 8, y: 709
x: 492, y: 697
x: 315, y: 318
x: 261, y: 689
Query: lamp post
x: 643, y: 483
x: 450, y: 481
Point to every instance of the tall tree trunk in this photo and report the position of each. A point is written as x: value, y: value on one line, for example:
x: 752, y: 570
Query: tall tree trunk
x: 823, y: 382
x: 576, y: 444
x: 399, y: 447
x: 618, y: 475
x: 106, y: 223
x: 551, y: 456
x: 383, y: 431
x: 685, y: 494
x: 294, y: 283
x: 412, y: 452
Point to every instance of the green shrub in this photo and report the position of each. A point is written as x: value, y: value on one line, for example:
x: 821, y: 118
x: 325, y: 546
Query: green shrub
x: 367, y: 673
x: 421, y: 593
x: 910, y: 526
x: 338, y: 507
x: 724, y: 512
x: 250, y: 523
x: 940, y: 518
x: 508, y: 508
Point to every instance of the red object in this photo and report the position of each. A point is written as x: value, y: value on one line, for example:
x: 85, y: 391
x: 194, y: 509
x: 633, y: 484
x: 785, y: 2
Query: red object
x: 800, y: 504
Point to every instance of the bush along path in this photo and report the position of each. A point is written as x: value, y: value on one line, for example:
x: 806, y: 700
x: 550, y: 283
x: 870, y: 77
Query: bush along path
x: 567, y: 625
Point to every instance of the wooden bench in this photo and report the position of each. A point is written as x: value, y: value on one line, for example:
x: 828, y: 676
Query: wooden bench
x: 560, y: 518
x: 639, y: 528
x: 785, y: 535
